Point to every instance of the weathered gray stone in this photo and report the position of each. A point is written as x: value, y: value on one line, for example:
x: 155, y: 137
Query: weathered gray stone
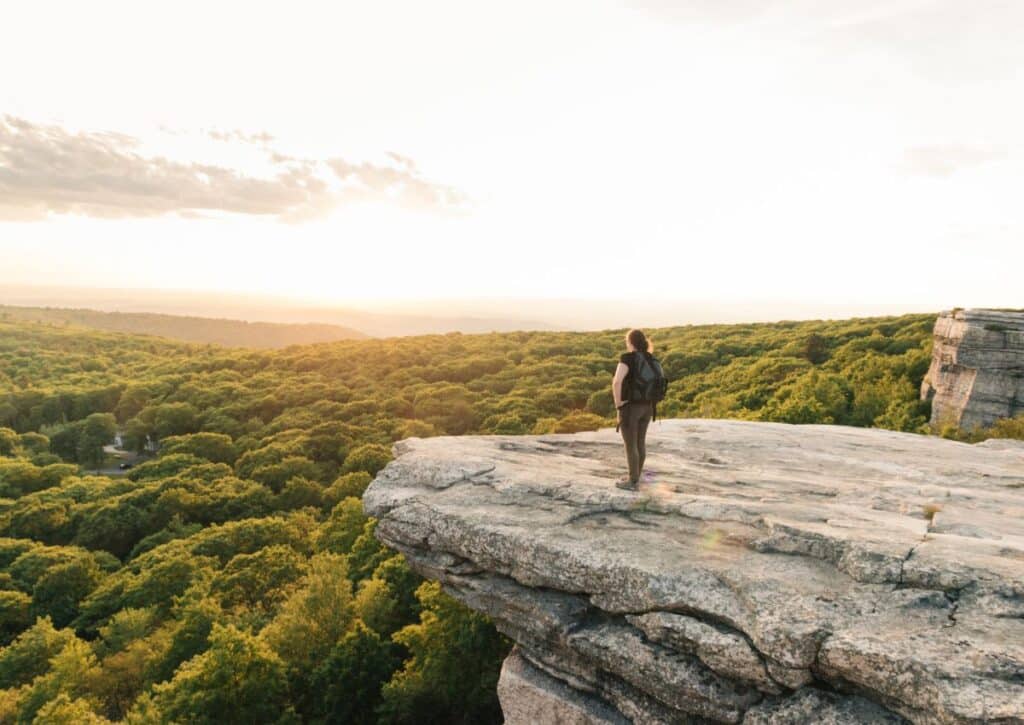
x: 529, y: 696
x: 977, y: 371
x: 727, y: 653
x: 814, y: 707
x: 761, y: 566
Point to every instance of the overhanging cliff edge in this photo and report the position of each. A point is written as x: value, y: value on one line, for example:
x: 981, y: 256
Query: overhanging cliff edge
x: 764, y: 573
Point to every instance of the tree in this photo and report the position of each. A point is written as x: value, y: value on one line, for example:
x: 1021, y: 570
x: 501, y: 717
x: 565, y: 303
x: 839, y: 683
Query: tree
x: 344, y: 526
x: 578, y: 421
x: 64, y: 442
x: 346, y: 687
x: 367, y: 553
x: 63, y: 710
x: 59, y: 591
x: 505, y: 424
x: 348, y: 484
x: 18, y: 477
x: 29, y: 655
x: 1008, y: 428
x: 601, y: 402
x: 115, y: 527
x: 8, y: 413
x: 239, y: 679
x: 300, y: 492
x: 174, y: 419
x: 403, y: 584
x: 164, y: 466
x: 72, y: 673
x: 190, y: 635
x: 259, y: 581
x: 215, y: 447
x: 375, y: 606
x: 444, y: 681
x: 99, y: 430
x: 35, y: 444
x: 813, y: 398
x: 369, y: 457
x: 314, y: 617
x: 9, y: 442
x: 133, y: 399
x: 387, y: 600
x: 276, y: 475
x: 125, y: 627
x: 126, y: 671
x: 416, y: 429
x: 48, y: 521
x: 136, y: 435
x: 815, y: 349
x: 15, y: 614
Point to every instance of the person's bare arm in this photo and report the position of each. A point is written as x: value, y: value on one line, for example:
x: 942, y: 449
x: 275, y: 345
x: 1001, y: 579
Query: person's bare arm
x: 620, y: 375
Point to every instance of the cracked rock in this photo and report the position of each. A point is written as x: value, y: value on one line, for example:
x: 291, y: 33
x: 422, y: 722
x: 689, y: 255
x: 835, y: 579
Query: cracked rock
x: 809, y: 574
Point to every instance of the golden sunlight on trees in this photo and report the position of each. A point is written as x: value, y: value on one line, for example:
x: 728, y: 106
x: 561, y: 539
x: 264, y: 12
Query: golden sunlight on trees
x: 231, y: 575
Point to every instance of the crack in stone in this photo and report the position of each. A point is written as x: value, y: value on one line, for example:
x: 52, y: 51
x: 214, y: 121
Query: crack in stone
x: 593, y: 616
x: 468, y: 477
x: 953, y: 597
x: 903, y: 564
x: 825, y: 628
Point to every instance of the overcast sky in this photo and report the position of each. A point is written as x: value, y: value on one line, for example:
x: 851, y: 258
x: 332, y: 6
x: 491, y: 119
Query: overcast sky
x: 836, y: 152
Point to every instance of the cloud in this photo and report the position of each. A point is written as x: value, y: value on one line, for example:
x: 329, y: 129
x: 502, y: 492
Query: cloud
x: 792, y: 11
x: 403, y: 184
x: 947, y: 159
x: 257, y: 139
x: 46, y: 169
x: 946, y: 39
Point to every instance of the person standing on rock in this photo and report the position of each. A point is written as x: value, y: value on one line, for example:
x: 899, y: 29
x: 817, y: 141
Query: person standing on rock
x: 638, y: 385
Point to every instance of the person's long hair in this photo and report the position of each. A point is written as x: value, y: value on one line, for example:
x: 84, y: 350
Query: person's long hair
x: 639, y: 341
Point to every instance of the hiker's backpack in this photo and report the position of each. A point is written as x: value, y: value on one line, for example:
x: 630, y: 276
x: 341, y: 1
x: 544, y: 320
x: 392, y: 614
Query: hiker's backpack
x: 647, y: 382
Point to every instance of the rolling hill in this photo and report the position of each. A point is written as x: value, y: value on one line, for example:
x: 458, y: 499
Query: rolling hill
x: 217, y: 331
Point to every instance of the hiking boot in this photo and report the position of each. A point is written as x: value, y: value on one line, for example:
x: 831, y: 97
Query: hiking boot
x: 625, y: 484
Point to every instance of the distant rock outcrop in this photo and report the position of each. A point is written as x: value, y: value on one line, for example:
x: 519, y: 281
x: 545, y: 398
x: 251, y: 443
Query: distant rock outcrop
x: 977, y: 371
x: 765, y: 573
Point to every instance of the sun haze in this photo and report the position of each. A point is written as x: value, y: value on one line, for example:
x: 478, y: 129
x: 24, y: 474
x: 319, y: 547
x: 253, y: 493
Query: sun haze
x: 844, y: 153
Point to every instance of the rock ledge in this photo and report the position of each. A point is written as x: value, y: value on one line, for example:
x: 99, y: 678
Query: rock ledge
x: 765, y: 573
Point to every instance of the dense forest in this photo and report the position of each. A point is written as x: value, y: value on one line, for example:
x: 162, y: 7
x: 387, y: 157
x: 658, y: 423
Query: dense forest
x: 232, y: 333
x: 233, y: 577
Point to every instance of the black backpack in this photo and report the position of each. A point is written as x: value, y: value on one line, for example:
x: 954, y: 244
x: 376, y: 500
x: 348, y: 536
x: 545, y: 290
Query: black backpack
x: 647, y: 382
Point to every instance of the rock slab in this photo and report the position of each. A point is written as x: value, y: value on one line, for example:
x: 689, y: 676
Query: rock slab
x: 977, y: 371
x: 763, y: 573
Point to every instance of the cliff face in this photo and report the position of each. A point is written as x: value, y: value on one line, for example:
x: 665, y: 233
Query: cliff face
x: 977, y: 371
x: 765, y: 573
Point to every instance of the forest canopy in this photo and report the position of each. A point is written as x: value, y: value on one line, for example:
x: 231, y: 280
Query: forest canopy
x: 231, y: 575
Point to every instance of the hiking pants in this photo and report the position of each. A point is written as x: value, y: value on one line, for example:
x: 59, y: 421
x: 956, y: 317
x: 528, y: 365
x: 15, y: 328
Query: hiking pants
x: 635, y: 417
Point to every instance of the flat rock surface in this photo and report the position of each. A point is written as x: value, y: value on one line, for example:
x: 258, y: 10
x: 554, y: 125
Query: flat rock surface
x: 758, y: 565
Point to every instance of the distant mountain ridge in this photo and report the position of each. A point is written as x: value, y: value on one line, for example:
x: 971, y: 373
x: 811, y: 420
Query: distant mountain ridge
x: 422, y: 319
x: 217, y: 331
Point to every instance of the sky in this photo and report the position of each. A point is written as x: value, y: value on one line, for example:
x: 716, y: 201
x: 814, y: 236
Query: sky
x: 837, y: 153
